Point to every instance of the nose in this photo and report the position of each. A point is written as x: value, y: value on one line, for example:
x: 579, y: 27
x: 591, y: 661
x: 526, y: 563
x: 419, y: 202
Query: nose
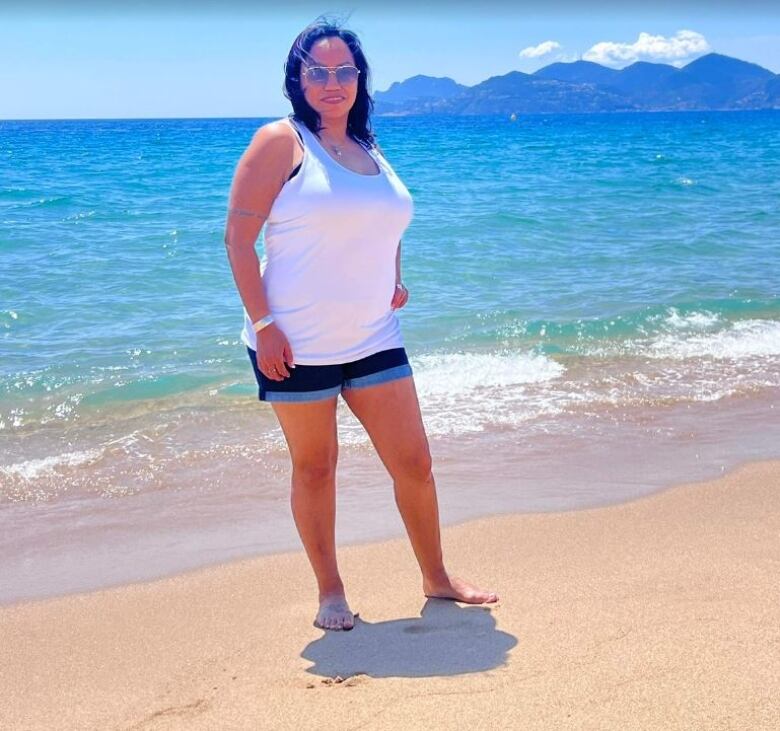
x: 332, y: 82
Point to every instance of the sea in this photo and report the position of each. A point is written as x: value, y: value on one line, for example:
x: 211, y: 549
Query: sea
x: 593, y: 317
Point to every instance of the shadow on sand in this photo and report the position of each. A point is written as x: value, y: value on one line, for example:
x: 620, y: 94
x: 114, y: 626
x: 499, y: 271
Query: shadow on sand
x: 447, y: 639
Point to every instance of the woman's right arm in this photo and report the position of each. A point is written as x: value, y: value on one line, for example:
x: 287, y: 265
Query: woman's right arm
x: 260, y: 174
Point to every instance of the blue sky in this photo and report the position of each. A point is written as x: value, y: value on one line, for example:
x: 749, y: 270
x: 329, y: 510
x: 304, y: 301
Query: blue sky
x: 223, y: 61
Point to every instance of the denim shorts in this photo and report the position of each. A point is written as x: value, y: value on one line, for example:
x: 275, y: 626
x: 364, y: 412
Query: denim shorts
x: 315, y: 382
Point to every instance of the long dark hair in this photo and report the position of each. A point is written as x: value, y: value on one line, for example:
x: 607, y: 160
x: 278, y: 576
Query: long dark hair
x: 359, y: 119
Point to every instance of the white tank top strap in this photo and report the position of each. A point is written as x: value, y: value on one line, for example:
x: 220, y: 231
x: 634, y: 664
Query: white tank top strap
x: 296, y: 129
x: 298, y: 170
x: 317, y: 149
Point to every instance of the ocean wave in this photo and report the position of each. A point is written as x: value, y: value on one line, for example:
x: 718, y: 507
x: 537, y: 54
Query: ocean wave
x: 738, y: 340
x: 467, y: 392
x: 54, y: 201
x: 460, y: 373
x: 506, y: 327
x: 692, y: 320
x: 13, y: 192
x: 35, y: 469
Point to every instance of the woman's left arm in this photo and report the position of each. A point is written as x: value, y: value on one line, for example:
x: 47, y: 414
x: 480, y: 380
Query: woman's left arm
x: 401, y: 294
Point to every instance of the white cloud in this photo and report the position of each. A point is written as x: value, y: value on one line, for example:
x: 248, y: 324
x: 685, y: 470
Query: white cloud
x: 647, y: 47
x: 541, y: 50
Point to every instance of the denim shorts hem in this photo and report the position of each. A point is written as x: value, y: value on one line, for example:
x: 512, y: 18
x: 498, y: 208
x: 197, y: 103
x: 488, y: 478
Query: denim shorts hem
x: 389, y: 374
x: 320, y: 395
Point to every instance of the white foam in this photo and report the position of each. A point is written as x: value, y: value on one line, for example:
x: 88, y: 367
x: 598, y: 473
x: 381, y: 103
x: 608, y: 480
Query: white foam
x: 693, y: 320
x: 458, y: 374
x: 743, y: 339
x: 34, y: 469
x: 465, y: 392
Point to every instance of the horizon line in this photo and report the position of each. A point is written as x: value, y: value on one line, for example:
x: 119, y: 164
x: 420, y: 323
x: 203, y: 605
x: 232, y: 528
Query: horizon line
x: 392, y: 115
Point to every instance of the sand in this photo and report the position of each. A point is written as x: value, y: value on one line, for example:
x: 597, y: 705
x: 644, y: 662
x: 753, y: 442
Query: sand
x: 661, y: 613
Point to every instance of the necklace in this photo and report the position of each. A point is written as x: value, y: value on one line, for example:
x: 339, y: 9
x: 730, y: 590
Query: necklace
x: 336, y: 148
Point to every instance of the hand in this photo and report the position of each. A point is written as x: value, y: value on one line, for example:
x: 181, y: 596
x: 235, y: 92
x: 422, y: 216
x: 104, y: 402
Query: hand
x: 273, y: 353
x: 400, y: 296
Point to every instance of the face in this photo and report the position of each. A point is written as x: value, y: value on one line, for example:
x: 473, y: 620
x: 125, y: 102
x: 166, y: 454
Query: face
x: 331, y: 100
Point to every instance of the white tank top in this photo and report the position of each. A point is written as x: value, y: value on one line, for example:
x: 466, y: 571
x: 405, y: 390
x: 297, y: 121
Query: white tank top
x: 329, y: 265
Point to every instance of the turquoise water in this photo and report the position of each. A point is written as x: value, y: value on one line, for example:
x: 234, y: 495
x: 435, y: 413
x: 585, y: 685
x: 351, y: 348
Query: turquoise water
x: 564, y: 237
x: 562, y: 269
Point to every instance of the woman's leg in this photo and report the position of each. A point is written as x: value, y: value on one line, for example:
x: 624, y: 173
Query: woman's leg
x: 390, y: 413
x: 310, y: 431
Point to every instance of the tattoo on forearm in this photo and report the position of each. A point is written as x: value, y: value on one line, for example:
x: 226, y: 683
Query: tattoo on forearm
x: 244, y: 212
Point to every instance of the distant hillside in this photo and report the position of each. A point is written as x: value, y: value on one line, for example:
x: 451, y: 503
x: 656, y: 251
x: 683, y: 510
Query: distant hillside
x: 420, y: 91
x: 579, y: 72
x: 713, y: 81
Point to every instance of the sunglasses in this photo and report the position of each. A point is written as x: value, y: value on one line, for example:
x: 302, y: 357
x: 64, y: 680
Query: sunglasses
x: 319, y: 75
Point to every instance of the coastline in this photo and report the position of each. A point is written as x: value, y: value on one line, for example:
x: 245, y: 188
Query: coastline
x: 231, y: 502
x: 661, y: 612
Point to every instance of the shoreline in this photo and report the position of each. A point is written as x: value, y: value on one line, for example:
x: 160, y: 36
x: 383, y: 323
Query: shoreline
x: 659, y: 612
x: 87, y: 542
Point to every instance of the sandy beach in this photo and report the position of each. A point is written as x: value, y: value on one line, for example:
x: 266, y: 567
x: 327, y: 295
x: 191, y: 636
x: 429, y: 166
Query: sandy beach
x: 660, y: 613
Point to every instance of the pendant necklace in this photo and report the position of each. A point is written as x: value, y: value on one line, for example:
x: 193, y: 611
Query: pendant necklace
x: 335, y: 148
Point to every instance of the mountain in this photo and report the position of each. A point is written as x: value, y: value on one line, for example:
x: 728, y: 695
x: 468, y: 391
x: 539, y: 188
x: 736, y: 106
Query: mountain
x: 523, y: 93
x: 772, y: 92
x: 420, y: 91
x: 714, y: 67
x: 579, y: 72
x: 641, y: 75
x: 713, y: 81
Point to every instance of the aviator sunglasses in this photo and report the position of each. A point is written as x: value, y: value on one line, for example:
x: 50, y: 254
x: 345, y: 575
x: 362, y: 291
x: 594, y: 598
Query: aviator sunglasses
x: 319, y: 75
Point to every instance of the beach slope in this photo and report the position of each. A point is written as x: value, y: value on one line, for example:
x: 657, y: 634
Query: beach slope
x: 661, y: 613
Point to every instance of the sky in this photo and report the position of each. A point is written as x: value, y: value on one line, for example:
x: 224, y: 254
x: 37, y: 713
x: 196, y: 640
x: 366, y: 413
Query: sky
x: 207, y: 59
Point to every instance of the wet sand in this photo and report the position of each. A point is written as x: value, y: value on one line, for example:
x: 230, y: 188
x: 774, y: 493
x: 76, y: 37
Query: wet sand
x: 660, y: 613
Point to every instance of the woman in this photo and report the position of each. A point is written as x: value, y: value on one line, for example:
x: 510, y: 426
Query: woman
x: 319, y: 314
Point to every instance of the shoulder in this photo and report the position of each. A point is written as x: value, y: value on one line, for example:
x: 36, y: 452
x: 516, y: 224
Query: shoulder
x: 273, y: 142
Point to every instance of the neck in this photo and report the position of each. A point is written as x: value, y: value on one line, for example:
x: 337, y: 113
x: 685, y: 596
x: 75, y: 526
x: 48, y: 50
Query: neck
x: 335, y: 131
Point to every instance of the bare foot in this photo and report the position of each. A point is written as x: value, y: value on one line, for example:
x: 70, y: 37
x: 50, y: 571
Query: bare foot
x: 334, y: 613
x: 451, y: 587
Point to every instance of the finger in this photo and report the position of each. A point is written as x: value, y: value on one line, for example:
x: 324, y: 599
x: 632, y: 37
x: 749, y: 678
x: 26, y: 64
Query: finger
x: 281, y: 369
x: 288, y: 356
x: 268, y: 371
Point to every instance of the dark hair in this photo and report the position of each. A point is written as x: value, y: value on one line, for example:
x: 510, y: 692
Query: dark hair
x: 359, y: 119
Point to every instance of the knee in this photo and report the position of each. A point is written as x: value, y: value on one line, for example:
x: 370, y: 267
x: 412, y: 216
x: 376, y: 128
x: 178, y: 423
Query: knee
x: 414, y: 467
x: 315, y: 470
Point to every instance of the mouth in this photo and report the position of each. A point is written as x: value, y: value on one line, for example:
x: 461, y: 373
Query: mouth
x: 333, y: 99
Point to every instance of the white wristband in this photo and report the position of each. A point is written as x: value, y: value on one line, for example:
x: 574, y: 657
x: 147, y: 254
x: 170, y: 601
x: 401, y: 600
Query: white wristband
x: 262, y: 322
